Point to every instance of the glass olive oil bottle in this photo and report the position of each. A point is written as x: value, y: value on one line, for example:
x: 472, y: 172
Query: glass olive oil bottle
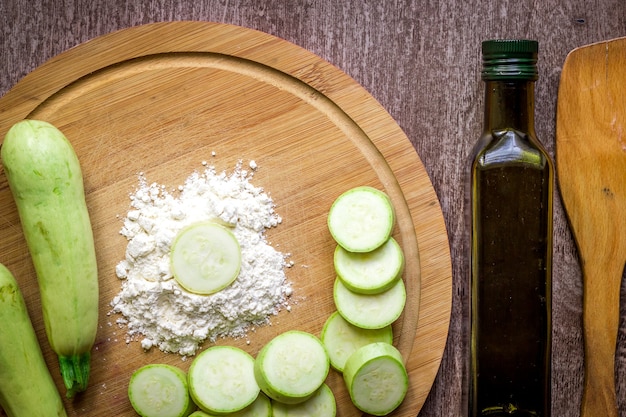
x: 511, y: 187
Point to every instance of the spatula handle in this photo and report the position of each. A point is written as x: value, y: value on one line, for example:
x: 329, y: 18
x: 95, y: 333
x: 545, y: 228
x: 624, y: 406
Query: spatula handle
x: 602, y: 280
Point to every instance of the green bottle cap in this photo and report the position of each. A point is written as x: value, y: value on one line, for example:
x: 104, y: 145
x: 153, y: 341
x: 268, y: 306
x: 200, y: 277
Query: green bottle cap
x: 510, y: 59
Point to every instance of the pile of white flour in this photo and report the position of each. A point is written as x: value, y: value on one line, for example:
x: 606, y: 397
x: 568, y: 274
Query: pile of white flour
x: 154, y: 307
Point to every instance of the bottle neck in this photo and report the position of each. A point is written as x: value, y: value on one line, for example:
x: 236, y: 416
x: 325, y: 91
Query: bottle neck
x: 510, y: 104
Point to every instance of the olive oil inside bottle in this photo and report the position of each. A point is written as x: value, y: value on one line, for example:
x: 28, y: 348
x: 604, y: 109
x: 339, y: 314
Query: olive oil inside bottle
x: 510, y: 294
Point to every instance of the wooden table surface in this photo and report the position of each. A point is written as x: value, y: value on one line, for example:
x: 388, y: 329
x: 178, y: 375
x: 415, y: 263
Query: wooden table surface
x: 421, y: 60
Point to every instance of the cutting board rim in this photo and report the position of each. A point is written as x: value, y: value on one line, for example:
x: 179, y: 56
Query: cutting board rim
x: 436, y: 274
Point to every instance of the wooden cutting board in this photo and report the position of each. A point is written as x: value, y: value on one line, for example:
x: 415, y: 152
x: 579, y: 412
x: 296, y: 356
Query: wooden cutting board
x: 160, y: 99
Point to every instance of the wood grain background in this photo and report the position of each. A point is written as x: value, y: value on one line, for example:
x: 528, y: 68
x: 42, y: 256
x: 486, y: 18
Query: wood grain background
x: 420, y: 59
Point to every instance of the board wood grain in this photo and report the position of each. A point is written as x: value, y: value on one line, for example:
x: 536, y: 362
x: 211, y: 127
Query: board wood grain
x: 160, y: 99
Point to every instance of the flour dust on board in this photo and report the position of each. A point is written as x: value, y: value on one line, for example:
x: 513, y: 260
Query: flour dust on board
x: 154, y: 308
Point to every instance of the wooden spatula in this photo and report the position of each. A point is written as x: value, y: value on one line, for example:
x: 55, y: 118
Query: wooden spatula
x: 591, y: 171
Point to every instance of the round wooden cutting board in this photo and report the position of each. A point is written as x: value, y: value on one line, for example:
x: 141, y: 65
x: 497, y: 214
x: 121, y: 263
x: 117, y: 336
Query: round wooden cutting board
x: 162, y: 98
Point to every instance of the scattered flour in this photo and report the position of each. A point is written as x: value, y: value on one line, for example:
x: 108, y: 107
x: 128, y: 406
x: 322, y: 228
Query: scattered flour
x: 154, y: 307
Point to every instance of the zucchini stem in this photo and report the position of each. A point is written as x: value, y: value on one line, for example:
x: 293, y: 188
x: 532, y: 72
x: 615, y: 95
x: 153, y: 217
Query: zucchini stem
x: 75, y: 372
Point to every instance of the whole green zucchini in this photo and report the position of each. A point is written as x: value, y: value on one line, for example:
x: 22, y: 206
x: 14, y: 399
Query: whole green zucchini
x: 46, y: 181
x: 26, y: 386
